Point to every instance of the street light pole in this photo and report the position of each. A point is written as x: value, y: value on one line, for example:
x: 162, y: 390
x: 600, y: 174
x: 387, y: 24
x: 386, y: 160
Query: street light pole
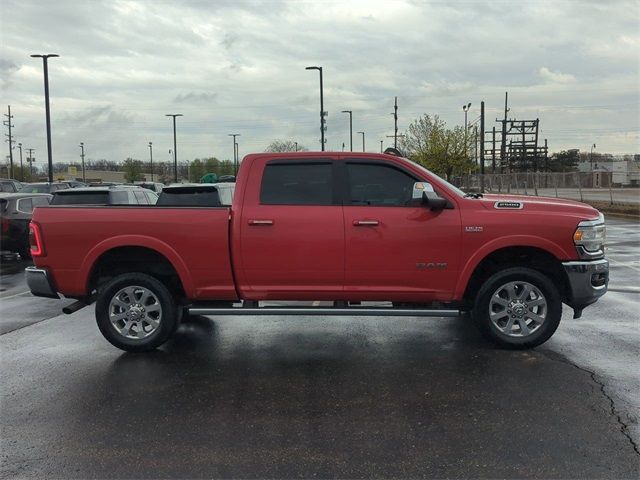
x: 465, y: 109
x: 235, y: 152
x: 362, y: 133
x: 45, y: 65
x: 175, y: 145
x: 21, y: 171
x: 350, y: 112
x: 591, y: 156
x: 381, y: 141
x: 151, y: 158
x: 322, y: 113
x: 84, y: 179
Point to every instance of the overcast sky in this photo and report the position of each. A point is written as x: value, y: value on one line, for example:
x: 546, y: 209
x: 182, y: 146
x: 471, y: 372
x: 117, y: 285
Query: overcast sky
x: 239, y: 67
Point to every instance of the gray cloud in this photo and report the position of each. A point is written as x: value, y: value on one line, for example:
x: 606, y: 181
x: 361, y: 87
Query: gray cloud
x: 125, y: 64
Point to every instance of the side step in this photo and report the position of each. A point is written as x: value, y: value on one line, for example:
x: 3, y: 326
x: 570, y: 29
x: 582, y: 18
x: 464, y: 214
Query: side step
x: 356, y: 311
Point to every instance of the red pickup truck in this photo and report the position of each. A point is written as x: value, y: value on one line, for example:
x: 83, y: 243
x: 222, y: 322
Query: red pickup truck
x: 365, y: 234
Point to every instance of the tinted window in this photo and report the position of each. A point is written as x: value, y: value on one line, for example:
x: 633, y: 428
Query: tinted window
x: 39, y: 201
x: 80, y: 198
x: 7, y: 187
x: 25, y: 205
x: 381, y: 185
x: 297, y: 184
x: 188, y: 197
x: 140, y: 197
x: 36, y: 188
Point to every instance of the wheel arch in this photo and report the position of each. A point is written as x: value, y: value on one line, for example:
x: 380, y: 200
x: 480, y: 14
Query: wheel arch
x: 135, y: 253
x: 534, y: 257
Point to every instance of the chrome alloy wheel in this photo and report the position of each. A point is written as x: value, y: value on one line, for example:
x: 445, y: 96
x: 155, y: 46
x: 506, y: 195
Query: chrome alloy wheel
x: 517, y: 309
x: 135, y: 312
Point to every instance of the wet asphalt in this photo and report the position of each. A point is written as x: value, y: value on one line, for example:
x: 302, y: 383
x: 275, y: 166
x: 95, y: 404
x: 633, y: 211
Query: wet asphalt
x: 335, y: 397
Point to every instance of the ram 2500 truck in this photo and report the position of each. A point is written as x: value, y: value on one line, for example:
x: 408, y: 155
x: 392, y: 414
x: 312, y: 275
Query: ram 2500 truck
x: 344, y: 228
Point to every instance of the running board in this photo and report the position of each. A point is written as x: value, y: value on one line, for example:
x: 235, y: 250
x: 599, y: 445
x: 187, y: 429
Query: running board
x: 371, y: 311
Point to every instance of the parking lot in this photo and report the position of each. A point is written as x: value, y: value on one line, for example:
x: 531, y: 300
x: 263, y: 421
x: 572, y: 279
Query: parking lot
x: 323, y: 397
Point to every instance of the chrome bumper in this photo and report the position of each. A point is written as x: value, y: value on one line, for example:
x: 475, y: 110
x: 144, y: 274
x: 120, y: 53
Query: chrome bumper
x: 39, y: 282
x: 588, y: 281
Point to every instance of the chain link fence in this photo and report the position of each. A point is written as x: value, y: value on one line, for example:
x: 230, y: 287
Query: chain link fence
x: 582, y: 186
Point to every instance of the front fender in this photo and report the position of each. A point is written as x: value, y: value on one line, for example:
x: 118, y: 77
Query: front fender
x: 498, y: 244
x: 151, y: 243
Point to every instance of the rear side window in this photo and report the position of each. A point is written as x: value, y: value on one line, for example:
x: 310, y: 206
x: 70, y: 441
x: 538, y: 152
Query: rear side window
x: 140, y: 197
x: 6, y: 187
x: 40, y: 201
x: 152, y: 197
x: 25, y: 205
x: 188, y: 197
x: 297, y: 184
x: 378, y: 185
x: 81, y: 198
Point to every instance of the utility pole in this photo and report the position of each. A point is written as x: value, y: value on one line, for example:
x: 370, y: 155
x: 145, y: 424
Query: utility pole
x: 235, y: 152
x: 546, y: 156
x: 350, y: 112
x: 45, y: 66
x: 381, y: 142
x: 296, y: 144
x: 175, y: 145
x: 151, y: 158
x: 535, y: 148
x: 591, y: 156
x: 362, y: 133
x: 493, y: 151
x: 475, y: 134
x: 395, y: 123
x: 482, y: 146
x: 84, y: 178
x: 322, y: 112
x: 7, y: 122
x: 21, y: 170
x: 30, y: 161
x: 465, y: 109
x: 503, y: 140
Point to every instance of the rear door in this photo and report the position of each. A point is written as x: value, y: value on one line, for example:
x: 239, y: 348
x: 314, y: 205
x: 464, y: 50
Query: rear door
x: 395, y: 249
x: 291, y: 233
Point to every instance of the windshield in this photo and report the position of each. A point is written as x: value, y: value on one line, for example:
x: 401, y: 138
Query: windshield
x: 449, y: 185
x: 36, y: 188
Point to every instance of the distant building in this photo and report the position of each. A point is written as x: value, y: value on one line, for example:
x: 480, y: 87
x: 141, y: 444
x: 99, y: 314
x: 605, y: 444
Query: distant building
x: 626, y: 173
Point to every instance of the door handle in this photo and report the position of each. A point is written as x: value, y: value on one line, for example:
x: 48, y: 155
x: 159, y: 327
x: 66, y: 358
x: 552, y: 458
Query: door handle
x: 260, y: 223
x: 366, y: 223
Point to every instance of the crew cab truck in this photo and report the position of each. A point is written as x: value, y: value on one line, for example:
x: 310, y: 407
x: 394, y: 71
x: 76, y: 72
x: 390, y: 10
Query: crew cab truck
x: 343, y: 228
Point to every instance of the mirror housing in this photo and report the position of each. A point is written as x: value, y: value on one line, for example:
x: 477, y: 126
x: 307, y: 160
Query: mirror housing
x: 423, y: 192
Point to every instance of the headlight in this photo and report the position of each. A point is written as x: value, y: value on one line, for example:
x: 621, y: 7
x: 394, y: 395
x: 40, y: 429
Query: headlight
x: 591, y: 235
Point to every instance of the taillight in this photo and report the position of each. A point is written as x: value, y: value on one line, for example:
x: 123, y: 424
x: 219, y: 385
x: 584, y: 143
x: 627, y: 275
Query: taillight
x: 35, y: 240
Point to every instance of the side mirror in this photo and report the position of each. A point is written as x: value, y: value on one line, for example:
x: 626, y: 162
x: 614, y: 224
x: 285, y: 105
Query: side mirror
x: 423, y: 193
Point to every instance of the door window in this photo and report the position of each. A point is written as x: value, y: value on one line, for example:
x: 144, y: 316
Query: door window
x: 378, y: 185
x: 297, y: 184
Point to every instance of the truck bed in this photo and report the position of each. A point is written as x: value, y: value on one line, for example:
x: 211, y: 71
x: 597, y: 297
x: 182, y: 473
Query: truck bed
x: 194, y: 240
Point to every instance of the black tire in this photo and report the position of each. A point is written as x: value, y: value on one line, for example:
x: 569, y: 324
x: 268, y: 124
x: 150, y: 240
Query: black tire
x: 552, y: 314
x: 169, y: 313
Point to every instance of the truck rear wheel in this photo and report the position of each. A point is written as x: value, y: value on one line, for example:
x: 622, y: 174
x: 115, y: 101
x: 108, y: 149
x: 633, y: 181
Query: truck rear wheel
x: 136, y: 312
x: 518, y: 308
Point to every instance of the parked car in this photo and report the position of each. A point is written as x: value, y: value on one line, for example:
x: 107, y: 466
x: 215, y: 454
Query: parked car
x: 44, y: 187
x: 113, y: 195
x: 341, y: 227
x: 8, y: 185
x: 15, y: 214
x: 153, y: 186
x: 197, y: 195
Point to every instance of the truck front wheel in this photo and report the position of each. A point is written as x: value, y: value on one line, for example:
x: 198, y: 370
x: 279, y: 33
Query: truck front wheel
x: 518, y: 308
x: 136, y: 312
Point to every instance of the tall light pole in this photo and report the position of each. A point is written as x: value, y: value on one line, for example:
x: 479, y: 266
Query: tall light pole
x: 235, y: 152
x: 30, y: 160
x: 465, y: 109
x: 151, y: 158
x: 175, y: 145
x: 82, y: 156
x: 350, y: 112
x: 362, y: 133
x: 322, y: 112
x: 381, y: 142
x: 591, y: 156
x: 21, y: 171
x: 45, y: 65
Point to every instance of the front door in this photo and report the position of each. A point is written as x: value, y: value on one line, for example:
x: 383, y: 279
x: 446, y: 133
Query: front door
x: 396, y: 250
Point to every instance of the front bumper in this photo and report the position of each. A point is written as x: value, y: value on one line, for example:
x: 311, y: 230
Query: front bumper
x: 39, y: 282
x: 588, y: 281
